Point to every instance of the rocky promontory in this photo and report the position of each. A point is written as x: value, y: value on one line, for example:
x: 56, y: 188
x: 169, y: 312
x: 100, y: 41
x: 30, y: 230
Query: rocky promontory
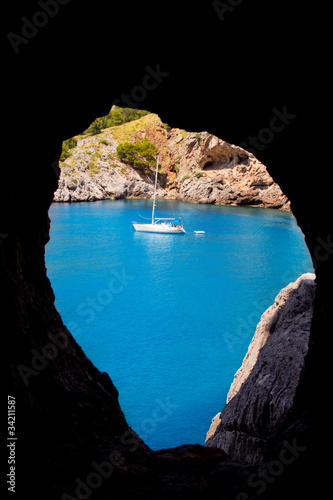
x: 264, y: 387
x: 195, y: 167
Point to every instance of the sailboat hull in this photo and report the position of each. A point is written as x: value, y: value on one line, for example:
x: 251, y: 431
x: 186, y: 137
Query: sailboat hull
x: 156, y: 225
x: 158, y: 228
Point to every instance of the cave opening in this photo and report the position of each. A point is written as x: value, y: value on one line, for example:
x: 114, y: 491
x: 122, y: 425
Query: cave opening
x: 93, y: 415
x: 73, y: 440
x: 92, y: 308
x: 209, y: 165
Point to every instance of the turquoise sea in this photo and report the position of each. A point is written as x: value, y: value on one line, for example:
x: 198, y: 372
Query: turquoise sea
x: 169, y: 317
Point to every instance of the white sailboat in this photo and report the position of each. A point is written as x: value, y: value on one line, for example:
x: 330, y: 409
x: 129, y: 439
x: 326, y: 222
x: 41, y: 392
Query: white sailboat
x: 164, y: 225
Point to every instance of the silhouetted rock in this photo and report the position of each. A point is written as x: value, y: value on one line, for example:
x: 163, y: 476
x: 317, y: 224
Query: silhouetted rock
x: 264, y: 387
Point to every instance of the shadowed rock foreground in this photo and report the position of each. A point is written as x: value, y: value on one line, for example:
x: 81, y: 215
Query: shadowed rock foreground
x: 264, y: 387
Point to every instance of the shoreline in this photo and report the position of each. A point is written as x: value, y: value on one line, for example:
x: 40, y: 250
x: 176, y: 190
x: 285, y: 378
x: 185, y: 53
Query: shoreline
x: 77, y: 201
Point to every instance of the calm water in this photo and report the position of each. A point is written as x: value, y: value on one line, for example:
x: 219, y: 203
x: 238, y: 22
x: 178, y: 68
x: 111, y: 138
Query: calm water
x: 169, y: 317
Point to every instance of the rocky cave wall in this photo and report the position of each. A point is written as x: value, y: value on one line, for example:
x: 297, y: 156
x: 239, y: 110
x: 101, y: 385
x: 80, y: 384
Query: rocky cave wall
x: 264, y: 387
x: 68, y: 415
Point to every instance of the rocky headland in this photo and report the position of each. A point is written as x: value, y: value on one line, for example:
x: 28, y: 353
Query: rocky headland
x: 264, y: 387
x: 195, y: 167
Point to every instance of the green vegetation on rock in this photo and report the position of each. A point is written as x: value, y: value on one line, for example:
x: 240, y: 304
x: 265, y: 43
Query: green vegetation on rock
x: 139, y: 155
x: 117, y: 116
x: 66, y: 147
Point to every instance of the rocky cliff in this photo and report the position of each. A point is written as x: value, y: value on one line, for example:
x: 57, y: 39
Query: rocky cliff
x: 264, y: 387
x: 195, y: 167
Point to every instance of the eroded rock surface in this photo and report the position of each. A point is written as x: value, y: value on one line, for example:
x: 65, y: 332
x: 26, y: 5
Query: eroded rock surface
x: 264, y: 387
x: 195, y: 167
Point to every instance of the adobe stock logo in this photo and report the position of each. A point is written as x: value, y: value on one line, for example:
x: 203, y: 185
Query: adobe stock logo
x: 268, y: 474
x: 152, y: 79
x: 30, y: 27
x: 223, y: 8
x: 277, y: 124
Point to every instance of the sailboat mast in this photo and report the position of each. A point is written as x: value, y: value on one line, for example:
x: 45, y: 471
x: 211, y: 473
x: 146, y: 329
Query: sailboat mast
x: 153, y: 213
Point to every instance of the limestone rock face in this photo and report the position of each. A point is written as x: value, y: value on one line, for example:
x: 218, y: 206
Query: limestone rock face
x: 195, y: 167
x: 264, y: 387
x: 228, y: 175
